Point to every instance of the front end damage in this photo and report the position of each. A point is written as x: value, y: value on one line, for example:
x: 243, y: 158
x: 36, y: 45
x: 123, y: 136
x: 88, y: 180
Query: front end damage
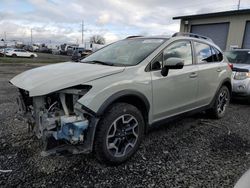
x: 59, y: 120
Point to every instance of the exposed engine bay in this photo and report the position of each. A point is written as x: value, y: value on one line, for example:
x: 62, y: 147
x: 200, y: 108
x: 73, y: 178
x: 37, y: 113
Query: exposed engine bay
x: 59, y: 117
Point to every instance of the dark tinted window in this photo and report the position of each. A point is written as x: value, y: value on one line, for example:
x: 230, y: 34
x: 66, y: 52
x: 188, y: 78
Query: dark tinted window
x: 203, y: 53
x: 240, y: 57
x: 157, y: 63
x: 181, y: 49
x: 214, y: 55
x: 219, y: 55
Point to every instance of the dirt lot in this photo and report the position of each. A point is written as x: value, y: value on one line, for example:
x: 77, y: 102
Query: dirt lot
x: 192, y: 152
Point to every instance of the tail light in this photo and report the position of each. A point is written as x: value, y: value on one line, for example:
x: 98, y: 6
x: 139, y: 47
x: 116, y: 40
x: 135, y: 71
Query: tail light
x: 231, y: 66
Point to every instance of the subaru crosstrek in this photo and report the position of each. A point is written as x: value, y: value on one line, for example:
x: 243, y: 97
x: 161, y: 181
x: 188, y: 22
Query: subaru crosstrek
x: 106, y: 102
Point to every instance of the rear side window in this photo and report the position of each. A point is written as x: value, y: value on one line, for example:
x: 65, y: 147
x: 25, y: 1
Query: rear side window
x: 203, y: 53
x: 180, y: 49
x: 219, y: 55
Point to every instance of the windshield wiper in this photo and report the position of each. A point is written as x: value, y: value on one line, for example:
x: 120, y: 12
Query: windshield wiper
x: 100, y: 62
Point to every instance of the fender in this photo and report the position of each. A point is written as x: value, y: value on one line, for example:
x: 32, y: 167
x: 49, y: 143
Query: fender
x: 120, y: 94
x: 227, y: 80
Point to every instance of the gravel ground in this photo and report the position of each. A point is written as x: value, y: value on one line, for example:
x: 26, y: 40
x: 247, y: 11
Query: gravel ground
x: 191, y: 152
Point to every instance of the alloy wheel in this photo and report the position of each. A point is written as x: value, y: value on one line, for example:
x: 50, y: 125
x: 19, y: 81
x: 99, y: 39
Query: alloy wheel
x: 222, y: 101
x: 122, y: 135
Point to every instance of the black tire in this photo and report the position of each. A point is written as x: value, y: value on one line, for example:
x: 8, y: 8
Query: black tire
x: 32, y: 56
x: 14, y: 55
x: 248, y: 100
x: 220, y: 103
x: 106, y: 127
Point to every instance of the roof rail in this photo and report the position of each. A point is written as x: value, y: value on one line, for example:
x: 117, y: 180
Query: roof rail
x: 130, y: 37
x: 192, y: 35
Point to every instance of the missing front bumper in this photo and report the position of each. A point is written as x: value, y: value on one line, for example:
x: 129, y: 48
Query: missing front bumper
x: 72, y: 132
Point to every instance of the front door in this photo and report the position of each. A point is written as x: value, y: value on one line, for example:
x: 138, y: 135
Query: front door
x: 175, y: 93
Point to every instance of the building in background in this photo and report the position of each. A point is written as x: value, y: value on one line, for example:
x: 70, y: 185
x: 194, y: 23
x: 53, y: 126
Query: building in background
x: 230, y: 29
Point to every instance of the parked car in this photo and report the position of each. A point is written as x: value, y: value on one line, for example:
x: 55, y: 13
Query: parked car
x: 240, y: 58
x: 4, y: 50
x: 85, y: 53
x: 20, y: 53
x: 1, y: 52
x: 77, y: 54
x: 109, y: 100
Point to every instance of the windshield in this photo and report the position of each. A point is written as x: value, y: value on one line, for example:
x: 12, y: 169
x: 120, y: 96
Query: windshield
x: 126, y: 52
x: 238, y: 57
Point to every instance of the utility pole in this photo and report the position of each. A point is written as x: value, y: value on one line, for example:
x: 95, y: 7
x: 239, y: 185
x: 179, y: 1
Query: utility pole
x: 239, y: 5
x: 5, y: 36
x: 31, y: 37
x: 5, y: 44
x: 82, y: 31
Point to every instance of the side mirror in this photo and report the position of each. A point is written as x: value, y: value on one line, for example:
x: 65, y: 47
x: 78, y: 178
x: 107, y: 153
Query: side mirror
x: 172, y: 63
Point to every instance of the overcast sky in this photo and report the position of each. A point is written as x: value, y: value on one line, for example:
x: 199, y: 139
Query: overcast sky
x: 60, y: 20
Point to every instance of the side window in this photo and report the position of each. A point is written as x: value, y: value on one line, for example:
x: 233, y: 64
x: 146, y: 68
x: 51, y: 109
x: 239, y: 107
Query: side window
x: 203, y: 53
x: 214, y: 55
x: 219, y: 54
x: 180, y: 49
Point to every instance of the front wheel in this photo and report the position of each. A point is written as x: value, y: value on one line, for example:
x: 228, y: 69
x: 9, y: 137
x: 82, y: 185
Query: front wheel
x: 32, y: 56
x: 119, y: 134
x: 221, y: 103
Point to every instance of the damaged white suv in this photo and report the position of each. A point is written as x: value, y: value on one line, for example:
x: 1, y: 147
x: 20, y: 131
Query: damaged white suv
x: 109, y: 100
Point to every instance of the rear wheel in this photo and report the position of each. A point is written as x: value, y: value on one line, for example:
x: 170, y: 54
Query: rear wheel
x: 32, y: 56
x: 221, y: 103
x: 119, y: 134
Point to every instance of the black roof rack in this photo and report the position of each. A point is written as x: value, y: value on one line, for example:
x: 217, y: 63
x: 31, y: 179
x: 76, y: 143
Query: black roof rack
x: 191, y: 35
x: 130, y: 37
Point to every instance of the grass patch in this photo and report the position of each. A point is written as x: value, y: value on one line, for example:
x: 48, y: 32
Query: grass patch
x: 42, y: 58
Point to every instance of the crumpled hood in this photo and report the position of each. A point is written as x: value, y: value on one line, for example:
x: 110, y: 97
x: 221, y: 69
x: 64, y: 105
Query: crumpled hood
x: 50, y: 78
x: 242, y: 66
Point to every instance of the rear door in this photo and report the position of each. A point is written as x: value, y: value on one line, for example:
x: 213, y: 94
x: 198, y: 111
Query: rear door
x: 17, y: 52
x: 209, y: 64
x: 177, y: 92
x: 24, y: 53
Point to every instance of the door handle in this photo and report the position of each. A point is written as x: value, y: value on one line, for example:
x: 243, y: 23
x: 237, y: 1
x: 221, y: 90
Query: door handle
x: 193, y: 75
x: 219, y: 70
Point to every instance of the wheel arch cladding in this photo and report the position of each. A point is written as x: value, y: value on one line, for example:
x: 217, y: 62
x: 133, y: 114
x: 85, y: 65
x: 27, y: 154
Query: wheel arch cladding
x: 132, y: 97
x: 228, y: 84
